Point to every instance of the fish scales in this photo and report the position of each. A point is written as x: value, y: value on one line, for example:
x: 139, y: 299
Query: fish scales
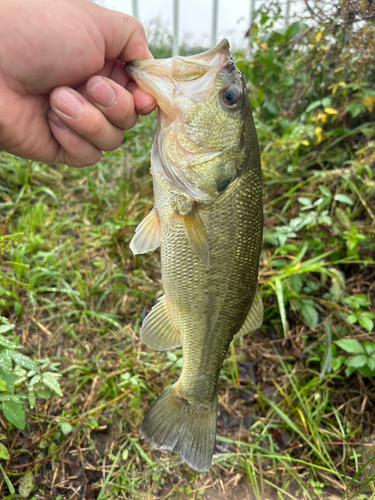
x: 202, y: 301
x: 208, y: 221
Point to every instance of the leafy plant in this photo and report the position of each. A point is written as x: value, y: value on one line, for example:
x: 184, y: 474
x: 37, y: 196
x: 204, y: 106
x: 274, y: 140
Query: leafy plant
x: 365, y: 318
x: 18, y: 370
x: 361, y: 357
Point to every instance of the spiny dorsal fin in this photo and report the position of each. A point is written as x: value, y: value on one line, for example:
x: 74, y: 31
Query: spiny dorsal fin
x: 147, y: 235
x: 196, y: 232
x: 255, y: 317
x: 158, y: 331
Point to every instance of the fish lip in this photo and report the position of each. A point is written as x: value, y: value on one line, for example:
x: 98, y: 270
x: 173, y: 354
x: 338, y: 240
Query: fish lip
x: 166, y: 79
x: 222, y: 47
x: 206, y: 58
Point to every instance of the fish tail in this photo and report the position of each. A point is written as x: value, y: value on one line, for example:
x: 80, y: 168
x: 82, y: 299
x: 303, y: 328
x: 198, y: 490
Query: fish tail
x: 175, y: 424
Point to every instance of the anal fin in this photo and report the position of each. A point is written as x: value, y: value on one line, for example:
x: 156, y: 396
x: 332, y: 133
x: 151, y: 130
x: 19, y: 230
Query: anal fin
x: 197, y: 235
x: 255, y: 317
x: 147, y: 235
x: 158, y: 331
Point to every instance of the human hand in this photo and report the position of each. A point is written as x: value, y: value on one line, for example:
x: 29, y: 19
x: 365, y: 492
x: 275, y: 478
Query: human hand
x: 64, y: 94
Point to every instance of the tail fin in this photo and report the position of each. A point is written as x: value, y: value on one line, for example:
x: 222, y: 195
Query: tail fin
x: 176, y: 425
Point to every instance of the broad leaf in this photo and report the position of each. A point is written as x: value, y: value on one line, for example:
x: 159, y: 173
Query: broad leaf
x: 6, y: 342
x: 344, y: 199
x: 14, y: 413
x: 23, y: 360
x: 371, y: 363
x: 366, y: 322
x: 8, y: 483
x: 6, y: 328
x: 5, y: 361
x: 8, y: 378
x: 351, y: 345
x: 369, y: 346
x: 357, y: 361
x: 4, y: 453
x: 26, y: 485
x: 50, y: 380
x: 309, y: 314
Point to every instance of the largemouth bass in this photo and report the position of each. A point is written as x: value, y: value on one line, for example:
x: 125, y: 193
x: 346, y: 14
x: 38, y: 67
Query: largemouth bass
x: 207, y: 220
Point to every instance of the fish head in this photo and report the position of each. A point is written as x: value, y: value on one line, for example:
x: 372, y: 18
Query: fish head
x: 203, y: 110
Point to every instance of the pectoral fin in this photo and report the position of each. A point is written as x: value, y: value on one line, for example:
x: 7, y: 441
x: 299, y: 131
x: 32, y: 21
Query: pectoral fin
x: 158, y: 331
x: 197, y: 235
x: 255, y: 317
x: 147, y: 235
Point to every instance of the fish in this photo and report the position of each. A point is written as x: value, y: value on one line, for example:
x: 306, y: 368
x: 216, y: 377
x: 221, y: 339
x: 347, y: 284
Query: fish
x: 207, y: 220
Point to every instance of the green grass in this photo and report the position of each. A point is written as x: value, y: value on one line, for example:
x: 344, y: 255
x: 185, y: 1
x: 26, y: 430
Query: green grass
x: 295, y: 408
x: 84, y: 288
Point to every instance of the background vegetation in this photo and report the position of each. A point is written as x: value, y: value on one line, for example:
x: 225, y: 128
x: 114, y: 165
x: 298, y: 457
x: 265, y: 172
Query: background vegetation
x: 297, y: 398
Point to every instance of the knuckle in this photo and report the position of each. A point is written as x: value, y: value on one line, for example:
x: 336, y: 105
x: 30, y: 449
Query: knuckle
x: 130, y: 121
x: 118, y: 141
x: 85, y: 161
x: 139, y: 27
x: 95, y: 125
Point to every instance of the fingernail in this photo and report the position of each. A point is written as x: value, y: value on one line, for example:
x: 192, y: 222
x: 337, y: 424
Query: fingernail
x: 148, y: 108
x: 103, y: 93
x: 51, y: 116
x: 68, y: 103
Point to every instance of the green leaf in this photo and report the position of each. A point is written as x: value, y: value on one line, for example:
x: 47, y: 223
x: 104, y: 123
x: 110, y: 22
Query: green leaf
x: 313, y: 105
x: 357, y: 361
x: 50, y: 380
x: 338, y: 362
x: 280, y: 300
x: 349, y: 370
x: 279, y: 263
x: 272, y: 107
x: 325, y: 191
x: 296, y: 283
x: 305, y: 201
x: 7, y: 343
x: 4, y: 453
x: 26, y: 485
x: 355, y: 108
x: 5, y: 361
x: 366, y: 371
x: 44, y: 393
x: 14, y: 413
x: 309, y: 314
x: 357, y: 301
x: 23, y: 360
x: 8, y: 483
x: 369, y: 346
x: 344, y: 199
x: 32, y: 399
x: 6, y: 328
x: 8, y: 378
x: 366, y: 322
x: 66, y: 428
x: 351, y: 345
x: 371, y: 363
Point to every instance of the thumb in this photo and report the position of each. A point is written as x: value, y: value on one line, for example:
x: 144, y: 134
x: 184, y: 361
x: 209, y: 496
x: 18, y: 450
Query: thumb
x: 124, y: 36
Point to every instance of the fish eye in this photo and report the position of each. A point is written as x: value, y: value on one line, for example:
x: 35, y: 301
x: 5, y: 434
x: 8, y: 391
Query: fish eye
x: 231, y: 96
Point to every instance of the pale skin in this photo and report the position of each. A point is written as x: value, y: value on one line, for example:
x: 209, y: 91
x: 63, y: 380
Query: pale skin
x: 64, y: 94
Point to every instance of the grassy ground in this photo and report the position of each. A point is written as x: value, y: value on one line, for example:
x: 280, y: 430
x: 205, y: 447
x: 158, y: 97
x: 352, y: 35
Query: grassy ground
x: 296, y: 399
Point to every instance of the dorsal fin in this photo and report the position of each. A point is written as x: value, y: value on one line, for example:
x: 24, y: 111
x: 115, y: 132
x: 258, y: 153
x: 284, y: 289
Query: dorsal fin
x: 158, y: 331
x: 197, y: 235
x: 255, y: 317
x: 147, y: 235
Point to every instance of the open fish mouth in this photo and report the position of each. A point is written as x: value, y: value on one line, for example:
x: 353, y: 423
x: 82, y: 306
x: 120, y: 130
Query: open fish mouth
x: 172, y: 79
